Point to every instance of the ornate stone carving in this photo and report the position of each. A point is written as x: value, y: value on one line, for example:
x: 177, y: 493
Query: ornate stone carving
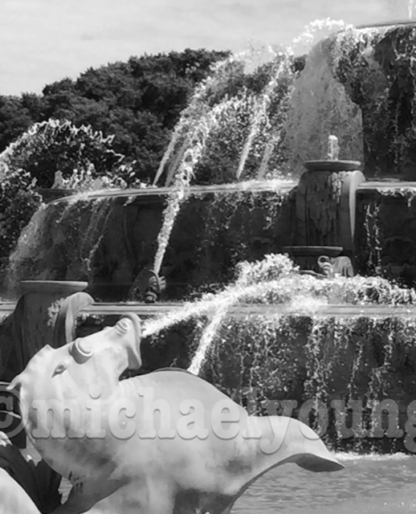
x: 148, y: 286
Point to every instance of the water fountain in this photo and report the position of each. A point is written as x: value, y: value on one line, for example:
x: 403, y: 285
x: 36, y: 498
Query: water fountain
x: 330, y: 341
x: 288, y: 335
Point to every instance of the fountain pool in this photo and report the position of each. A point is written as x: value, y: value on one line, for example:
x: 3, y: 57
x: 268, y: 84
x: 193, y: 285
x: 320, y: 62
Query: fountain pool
x: 369, y: 484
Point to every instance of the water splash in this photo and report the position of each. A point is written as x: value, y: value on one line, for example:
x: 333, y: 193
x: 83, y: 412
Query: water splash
x: 352, y: 456
x: 276, y: 281
x: 315, y: 32
x: 246, y: 287
x: 242, y: 290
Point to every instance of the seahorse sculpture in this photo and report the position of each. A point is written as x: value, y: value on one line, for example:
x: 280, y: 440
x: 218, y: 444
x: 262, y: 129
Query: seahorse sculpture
x: 161, y: 443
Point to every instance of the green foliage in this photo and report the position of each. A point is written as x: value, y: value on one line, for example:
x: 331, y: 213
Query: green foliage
x: 139, y: 102
x: 53, y: 146
x: 18, y: 202
x: 15, y: 118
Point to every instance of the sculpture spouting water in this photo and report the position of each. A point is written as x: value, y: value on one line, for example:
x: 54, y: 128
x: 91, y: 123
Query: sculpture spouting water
x: 149, y: 286
x: 73, y: 406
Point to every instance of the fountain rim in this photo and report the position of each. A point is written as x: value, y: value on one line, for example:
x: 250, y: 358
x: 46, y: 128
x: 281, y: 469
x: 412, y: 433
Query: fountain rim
x: 329, y: 310
x: 52, y: 286
x: 313, y: 251
x: 332, y: 165
x: 287, y: 186
x: 273, y: 185
x: 342, y: 311
x: 382, y: 24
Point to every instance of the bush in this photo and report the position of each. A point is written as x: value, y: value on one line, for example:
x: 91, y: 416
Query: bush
x: 59, y: 146
x: 18, y: 202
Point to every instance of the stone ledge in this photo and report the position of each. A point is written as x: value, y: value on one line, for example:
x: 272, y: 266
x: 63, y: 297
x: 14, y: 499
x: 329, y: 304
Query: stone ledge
x: 266, y: 185
x: 335, y: 310
x: 381, y: 185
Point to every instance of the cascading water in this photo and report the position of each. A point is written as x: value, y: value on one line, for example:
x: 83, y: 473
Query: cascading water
x: 322, y: 343
x: 287, y: 350
x: 107, y: 240
x: 60, y: 241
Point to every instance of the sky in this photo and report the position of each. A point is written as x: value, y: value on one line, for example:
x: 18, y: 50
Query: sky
x: 42, y: 41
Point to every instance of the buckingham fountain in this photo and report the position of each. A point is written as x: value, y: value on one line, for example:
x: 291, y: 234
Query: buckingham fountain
x: 277, y: 262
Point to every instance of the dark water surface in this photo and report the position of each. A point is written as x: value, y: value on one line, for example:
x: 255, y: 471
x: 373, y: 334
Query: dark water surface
x: 368, y: 484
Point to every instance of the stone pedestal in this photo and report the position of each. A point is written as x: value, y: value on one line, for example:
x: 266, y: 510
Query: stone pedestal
x: 325, y: 204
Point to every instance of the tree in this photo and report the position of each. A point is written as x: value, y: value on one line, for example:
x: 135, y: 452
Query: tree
x: 15, y: 119
x: 139, y: 102
x: 53, y: 146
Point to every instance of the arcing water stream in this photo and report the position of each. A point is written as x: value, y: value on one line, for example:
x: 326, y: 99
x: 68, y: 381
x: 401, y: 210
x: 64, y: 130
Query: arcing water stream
x: 260, y: 112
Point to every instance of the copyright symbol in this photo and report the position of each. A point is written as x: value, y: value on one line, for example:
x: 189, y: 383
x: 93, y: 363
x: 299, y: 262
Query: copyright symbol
x: 10, y: 419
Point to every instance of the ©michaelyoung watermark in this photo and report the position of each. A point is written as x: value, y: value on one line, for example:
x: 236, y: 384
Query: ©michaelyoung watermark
x: 148, y: 417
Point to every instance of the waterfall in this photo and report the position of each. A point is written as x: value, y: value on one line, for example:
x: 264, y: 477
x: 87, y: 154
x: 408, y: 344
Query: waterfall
x: 60, y: 241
